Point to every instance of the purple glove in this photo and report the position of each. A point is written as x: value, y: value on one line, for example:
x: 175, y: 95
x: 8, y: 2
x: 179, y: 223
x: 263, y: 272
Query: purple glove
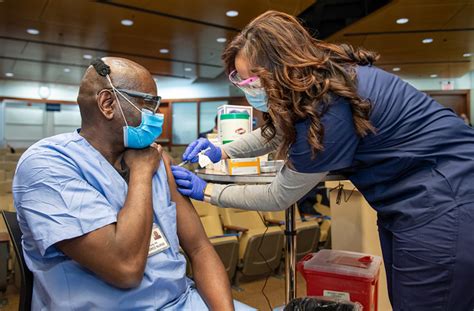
x: 189, y: 184
x: 214, y: 153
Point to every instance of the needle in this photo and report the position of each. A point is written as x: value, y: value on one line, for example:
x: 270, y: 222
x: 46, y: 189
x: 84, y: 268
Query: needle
x: 187, y: 161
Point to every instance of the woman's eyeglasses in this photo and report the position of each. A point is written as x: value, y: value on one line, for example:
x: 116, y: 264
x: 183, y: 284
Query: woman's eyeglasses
x: 249, y: 86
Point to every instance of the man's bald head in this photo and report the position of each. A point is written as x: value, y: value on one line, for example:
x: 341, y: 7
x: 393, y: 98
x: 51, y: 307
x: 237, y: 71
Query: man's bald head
x: 124, y: 74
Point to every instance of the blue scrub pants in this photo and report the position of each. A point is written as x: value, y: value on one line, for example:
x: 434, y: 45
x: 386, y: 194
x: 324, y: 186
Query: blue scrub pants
x: 432, y: 267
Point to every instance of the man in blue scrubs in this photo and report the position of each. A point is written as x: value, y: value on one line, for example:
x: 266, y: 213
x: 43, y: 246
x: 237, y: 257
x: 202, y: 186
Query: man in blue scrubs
x: 103, y: 224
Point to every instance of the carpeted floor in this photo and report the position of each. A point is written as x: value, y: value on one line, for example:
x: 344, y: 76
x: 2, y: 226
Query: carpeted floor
x: 10, y: 299
x: 275, y: 291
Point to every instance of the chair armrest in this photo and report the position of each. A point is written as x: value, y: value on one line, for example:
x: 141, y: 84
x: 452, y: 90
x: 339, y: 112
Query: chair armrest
x: 319, y: 218
x: 224, y: 235
x: 4, y: 237
x: 235, y: 228
x: 274, y: 222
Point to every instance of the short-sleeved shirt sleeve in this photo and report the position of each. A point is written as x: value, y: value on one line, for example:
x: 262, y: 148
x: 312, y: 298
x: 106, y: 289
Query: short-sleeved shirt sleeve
x: 56, y: 202
x: 340, y: 141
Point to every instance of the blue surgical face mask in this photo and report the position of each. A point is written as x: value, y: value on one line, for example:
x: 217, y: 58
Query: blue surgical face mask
x: 259, y: 100
x: 147, y: 132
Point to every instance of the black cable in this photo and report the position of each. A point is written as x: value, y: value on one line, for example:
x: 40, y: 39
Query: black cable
x: 341, y: 193
x: 266, y: 262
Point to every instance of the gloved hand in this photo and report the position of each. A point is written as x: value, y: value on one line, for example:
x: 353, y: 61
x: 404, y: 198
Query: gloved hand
x: 189, y: 184
x: 190, y: 154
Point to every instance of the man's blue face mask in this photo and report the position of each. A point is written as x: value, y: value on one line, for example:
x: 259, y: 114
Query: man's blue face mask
x: 147, y: 132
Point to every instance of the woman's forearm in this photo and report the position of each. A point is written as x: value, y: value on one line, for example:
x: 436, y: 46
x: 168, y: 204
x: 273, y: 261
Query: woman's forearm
x: 250, y: 145
x: 287, y: 188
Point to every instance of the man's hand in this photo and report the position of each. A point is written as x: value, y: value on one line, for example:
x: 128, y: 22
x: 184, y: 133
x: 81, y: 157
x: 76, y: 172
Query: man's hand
x: 146, y: 160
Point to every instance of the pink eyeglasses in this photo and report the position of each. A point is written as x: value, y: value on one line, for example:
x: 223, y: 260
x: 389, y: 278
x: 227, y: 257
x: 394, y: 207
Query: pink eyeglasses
x: 237, y: 80
x: 250, y: 86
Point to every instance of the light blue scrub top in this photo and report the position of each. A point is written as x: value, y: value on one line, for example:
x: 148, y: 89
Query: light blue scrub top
x: 64, y: 188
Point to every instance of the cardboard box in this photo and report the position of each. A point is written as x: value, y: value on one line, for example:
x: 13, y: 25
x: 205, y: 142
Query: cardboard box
x: 242, y: 166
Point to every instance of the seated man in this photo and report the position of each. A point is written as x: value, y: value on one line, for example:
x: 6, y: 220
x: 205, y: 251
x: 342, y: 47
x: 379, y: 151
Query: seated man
x: 102, y: 221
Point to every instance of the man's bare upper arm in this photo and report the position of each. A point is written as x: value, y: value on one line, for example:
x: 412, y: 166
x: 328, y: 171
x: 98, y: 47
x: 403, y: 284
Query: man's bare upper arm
x: 190, y: 231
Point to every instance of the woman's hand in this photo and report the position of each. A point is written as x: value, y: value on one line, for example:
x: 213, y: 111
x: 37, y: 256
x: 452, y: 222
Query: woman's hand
x: 191, y: 153
x: 189, y: 184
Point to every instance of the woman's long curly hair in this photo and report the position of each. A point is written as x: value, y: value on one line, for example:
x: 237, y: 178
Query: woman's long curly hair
x: 300, y: 74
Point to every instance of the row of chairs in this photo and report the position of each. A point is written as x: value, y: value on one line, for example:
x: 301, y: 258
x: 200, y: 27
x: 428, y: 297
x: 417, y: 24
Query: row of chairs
x: 249, y: 243
x: 7, y: 169
x: 10, y: 157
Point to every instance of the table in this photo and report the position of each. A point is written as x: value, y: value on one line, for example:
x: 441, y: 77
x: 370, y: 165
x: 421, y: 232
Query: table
x: 290, y: 232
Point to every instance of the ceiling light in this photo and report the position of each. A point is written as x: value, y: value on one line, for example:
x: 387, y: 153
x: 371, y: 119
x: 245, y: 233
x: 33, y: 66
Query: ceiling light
x: 232, y: 13
x: 164, y: 51
x: 9, y: 74
x: 126, y: 22
x: 44, y: 92
x: 427, y: 40
x: 402, y: 21
x: 33, y: 31
x: 87, y: 56
x: 221, y: 40
x: 67, y: 70
x: 188, y: 69
x: 467, y: 54
x: 396, y: 69
x: 433, y: 76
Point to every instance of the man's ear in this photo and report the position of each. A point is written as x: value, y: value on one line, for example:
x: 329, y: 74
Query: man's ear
x: 106, y: 103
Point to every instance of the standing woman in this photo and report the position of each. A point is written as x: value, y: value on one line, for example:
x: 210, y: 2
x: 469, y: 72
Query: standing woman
x: 327, y: 108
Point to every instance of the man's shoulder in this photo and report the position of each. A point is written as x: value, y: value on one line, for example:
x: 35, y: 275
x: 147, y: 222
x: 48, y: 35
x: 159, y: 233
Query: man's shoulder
x: 47, y: 150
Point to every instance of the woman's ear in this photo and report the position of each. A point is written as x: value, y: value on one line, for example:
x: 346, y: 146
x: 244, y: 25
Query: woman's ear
x: 105, y: 102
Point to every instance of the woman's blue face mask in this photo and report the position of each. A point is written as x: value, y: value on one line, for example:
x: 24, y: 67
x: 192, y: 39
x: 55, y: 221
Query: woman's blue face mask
x: 147, y: 132
x: 253, y: 90
x: 259, y: 100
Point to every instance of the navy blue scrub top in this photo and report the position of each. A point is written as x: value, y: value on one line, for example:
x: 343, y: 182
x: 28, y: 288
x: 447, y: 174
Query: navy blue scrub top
x: 418, y: 164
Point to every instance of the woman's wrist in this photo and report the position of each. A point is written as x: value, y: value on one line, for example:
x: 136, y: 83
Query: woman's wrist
x: 208, y: 193
x: 224, y: 155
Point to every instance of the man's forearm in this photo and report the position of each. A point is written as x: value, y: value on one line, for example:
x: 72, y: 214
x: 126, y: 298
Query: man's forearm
x: 211, y: 279
x: 134, y: 221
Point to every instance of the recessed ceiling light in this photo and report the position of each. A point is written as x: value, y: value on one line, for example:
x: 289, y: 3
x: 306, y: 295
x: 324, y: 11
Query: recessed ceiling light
x: 396, y: 69
x: 467, y: 54
x: 221, y: 40
x: 87, y: 56
x: 126, y: 22
x: 164, y: 51
x: 232, y: 13
x: 9, y: 74
x: 402, y: 20
x: 33, y: 31
x: 433, y: 76
x: 44, y: 92
x: 427, y: 40
x: 188, y: 69
x: 67, y: 70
